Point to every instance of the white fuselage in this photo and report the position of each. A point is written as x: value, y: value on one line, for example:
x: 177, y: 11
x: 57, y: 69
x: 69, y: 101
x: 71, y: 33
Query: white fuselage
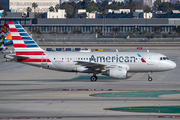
x: 68, y: 61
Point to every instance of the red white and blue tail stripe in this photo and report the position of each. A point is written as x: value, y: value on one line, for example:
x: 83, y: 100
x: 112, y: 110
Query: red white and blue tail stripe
x: 24, y: 45
x: 21, y: 39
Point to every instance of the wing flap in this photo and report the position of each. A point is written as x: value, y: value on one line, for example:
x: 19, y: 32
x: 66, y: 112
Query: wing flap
x: 92, y: 65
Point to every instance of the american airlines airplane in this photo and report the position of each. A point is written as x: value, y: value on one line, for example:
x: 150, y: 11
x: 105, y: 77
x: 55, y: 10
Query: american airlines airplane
x: 5, y: 38
x: 112, y: 64
x: 2, y: 37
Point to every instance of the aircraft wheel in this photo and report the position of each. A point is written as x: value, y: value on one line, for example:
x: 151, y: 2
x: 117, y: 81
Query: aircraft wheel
x: 94, y: 78
x: 150, y: 79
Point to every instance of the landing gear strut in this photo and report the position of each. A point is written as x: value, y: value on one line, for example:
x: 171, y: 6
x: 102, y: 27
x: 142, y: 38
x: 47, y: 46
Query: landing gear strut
x: 149, y: 76
x: 94, y: 78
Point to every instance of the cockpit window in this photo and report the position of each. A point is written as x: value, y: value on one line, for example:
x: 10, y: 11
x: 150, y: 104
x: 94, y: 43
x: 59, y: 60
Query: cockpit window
x: 164, y: 58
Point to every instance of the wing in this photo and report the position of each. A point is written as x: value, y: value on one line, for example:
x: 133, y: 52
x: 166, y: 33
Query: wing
x: 95, y: 66
x: 100, y: 66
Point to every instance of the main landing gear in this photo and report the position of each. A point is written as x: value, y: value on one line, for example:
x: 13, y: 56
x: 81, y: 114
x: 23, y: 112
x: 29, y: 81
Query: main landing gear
x: 94, y: 78
x: 149, y: 77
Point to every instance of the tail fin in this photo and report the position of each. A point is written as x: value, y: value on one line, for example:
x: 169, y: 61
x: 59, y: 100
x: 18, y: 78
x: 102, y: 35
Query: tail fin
x: 2, y: 36
x: 8, y: 39
x: 23, y: 43
x: 1, y: 12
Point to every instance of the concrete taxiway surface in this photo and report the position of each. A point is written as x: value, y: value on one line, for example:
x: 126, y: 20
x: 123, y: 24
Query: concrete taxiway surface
x: 28, y: 92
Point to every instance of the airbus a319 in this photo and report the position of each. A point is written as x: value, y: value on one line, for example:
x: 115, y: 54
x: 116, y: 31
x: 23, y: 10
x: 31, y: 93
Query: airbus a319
x: 112, y: 64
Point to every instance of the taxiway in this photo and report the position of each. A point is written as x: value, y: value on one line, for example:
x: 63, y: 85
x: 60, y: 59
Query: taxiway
x: 28, y: 92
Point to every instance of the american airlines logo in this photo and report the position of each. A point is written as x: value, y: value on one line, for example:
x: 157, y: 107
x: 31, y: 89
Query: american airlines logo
x: 116, y: 58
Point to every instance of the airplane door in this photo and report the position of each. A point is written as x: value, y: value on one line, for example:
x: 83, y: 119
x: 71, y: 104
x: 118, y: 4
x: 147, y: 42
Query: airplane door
x: 150, y: 59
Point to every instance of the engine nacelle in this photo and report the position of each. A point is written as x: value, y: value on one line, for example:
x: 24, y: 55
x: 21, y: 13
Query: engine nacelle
x: 117, y: 72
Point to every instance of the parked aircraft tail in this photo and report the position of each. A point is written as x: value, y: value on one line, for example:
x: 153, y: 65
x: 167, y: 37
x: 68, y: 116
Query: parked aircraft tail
x: 1, y: 12
x: 2, y: 37
x: 8, y: 39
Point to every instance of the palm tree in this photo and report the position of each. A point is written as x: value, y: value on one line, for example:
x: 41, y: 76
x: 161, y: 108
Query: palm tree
x: 34, y: 5
x: 37, y: 15
x: 29, y: 9
x: 4, y: 14
x: 51, y: 9
x: 24, y: 15
x: 57, y: 7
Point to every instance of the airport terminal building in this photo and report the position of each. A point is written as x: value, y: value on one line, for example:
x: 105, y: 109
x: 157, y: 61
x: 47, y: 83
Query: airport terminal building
x: 88, y: 26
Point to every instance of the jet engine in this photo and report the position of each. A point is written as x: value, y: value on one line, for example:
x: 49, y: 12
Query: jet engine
x: 116, y: 72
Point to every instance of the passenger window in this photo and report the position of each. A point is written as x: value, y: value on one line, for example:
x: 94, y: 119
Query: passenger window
x: 160, y: 58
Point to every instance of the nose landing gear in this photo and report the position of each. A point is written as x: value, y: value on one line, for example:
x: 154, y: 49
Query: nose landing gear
x: 149, y: 77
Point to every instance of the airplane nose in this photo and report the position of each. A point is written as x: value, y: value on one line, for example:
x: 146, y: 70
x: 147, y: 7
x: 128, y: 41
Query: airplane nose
x: 172, y: 65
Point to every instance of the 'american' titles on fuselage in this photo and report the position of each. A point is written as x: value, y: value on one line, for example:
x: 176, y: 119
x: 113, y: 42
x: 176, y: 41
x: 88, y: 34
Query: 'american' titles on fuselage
x: 116, y: 58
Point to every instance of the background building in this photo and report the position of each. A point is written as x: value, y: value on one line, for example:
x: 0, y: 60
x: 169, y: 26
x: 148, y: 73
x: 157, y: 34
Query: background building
x: 21, y: 5
x: 59, y: 14
x: 124, y: 25
x: 173, y: 1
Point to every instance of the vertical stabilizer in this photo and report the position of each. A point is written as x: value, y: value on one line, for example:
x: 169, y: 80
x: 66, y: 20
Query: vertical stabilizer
x: 2, y: 37
x: 23, y: 43
x: 1, y: 12
x: 25, y: 47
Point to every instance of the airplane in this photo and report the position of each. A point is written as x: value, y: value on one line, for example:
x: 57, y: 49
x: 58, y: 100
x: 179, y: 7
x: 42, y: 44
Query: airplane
x: 2, y: 37
x: 1, y: 12
x: 113, y: 64
x: 8, y: 39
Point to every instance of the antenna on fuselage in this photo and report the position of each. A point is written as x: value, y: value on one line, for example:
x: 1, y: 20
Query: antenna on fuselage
x: 116, y: 50
x: 147, y: 50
